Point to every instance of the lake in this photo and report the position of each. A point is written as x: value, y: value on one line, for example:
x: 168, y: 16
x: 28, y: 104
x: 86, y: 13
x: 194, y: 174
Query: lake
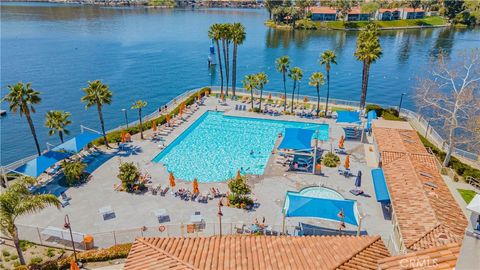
x: 156, y: 54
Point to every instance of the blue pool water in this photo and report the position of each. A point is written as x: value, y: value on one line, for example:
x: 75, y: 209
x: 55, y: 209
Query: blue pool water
x: 214, y: 147
x: 321, y: 192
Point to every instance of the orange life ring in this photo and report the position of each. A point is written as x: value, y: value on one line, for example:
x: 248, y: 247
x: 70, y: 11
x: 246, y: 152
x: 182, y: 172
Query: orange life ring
x: 161, y: 228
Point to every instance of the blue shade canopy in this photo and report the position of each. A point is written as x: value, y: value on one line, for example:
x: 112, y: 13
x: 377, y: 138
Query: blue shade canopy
x: 371, y: 115
x: 348, y: 117
x: 297, y: 205
x: 38, y: 165
x: 297, y: 139
x: 358, y: 180
x: 381, y: 190
x: 77, y: 143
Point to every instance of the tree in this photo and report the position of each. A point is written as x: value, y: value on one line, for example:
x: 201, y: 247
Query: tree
x: 21, y: 98
x: 73, y: 171
x: 215, y: 34
x: 296, y: 74
x: 328, y: 58
x: 451, y: 97
x: 250, y: 83
x: 368, y: 51
x: 238, y: 37
x: 282, y: 64
x: 370, y: 8
x: 18, y: 201
x: 270, y: 5
x: 317, y: 79
x: 414, y: 4
x: 98, y: 94
x: 261, y: 79
x: 128, y: 174
x: 138, y: 105
x: 344, y: 7
x: 57, y: 121
x: 226, y: 37
x: 451, y: 8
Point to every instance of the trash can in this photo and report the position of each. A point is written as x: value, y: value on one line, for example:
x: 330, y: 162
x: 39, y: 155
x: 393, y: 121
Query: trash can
x: 88, y: 240
x: 318, y: 169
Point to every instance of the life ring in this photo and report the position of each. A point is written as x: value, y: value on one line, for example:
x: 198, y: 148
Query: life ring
x: 161, y: 228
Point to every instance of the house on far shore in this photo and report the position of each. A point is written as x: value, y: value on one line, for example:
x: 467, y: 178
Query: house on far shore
x: 356, y: 14
x: 391, y: 14
x: 323, y: 14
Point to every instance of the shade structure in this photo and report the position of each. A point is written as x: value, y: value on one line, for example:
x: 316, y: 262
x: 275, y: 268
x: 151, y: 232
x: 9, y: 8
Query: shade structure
x: 341, y: 142
x: 38, y: 165
x: 297, y: 139
x: 380, y: 186
x: 297, y: 205
x: 77, y: 143
x: 358, y: 180
x: 348, y: 117
x: 474, y: 204
x: 171, y: 179
x: 195, y: 186
x: 371, y: 115
x: 347, y: 162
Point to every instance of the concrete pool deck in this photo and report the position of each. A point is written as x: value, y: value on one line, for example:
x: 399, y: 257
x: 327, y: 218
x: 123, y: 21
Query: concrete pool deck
x: 133, y: 211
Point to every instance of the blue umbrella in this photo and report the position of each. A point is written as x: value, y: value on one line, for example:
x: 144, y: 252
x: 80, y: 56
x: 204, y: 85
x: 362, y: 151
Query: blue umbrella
x: 358, y: 181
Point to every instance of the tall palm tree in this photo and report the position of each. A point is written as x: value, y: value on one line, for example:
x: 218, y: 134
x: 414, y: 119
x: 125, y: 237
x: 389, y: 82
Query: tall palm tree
x: 57, y: 121
x: 368, y: 51
x: 250, y: 83
x: 215, y: 34
x: 328, y: 58
x: 17, y: 201
x: 282, y: 64
x: 225, y: 34
x: 261, y: 79
x: 296, y: 74
x: 317, y: 79
x: 238, y: 37
x: 21, y: 98
x: 98, y: 94
x: 138, y: 105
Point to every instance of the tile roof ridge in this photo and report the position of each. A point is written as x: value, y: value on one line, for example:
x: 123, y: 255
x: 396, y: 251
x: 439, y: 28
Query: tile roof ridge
x: 143, y: 241
x: 439, y: 225
x: 373, y: 240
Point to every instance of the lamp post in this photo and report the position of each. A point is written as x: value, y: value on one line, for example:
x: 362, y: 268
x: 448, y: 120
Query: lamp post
x: 220, y: 214
x: 125, y: 114
x: 67, y: 226
x: 400, y: 105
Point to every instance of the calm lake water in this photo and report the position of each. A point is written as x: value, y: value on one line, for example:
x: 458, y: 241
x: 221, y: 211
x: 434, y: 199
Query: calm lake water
x: 155, y: 55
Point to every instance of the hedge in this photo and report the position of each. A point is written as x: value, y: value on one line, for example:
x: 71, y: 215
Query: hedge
x: 98, y: 255
x: 387, y: 114
x: 459, y: 167
x: 115, y: 136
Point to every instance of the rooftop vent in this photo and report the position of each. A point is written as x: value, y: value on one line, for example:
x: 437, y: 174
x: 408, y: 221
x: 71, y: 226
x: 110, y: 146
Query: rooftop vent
x: 430, y: 184
x: 409, y: 141
x: 426, y: 174
x: 406, y: 135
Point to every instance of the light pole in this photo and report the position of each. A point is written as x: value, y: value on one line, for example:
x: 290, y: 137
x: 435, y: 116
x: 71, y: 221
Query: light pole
x: 400, y: 105
x: 125, y: 114
x: 220, y: 214
x: 67, y: 226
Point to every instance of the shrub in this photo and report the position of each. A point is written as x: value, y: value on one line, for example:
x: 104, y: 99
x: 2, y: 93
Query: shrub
x: 374, y: 107
x: 111, y: 253
x: 5, y: 253
x: 239, y: 186
x: 24, y: 245
x: 73, y: 171
x: 128, y: 174
x: 50, y: 252
x: 240, y: 201
x: 36, y: 260
x: 331, y: 160
x: 14, y: 257
x: 305, y: 24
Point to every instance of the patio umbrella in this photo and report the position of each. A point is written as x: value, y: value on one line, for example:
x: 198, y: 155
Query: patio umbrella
x: 154, y: 125
x: 167, y: 118
x: 305, y: 99
x: 239, y: 175
x: 128, y: 137
x: 283, y: 96
x: 222, y: 97
x: 341, y: 142
x: 199, y: 96
x: 171, y: 178
x: 347, y: 162
x: 195, y: 186
x: 122, y: 138
x: 358, y: 181
x: 318, y: 168
x: 74, y: 265
x: 270, y: 96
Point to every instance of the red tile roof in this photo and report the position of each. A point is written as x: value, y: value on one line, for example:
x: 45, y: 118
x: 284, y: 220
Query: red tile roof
x: 411, y: 10
x: 257, y: 252
x: 356, y: 10
x: 444, y: 257
x: 323, y: 10
x: 426, y: 212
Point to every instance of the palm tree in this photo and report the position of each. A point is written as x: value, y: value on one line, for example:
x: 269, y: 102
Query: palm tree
x: 296, y: 74
x: 238, y: 37
x: 261, y: 79
x: 17, y: 201
x: 226, y: 39
x: 215, y: 33
x: 328, y: 58
x: 56, y: 121
x: 138, y: 105
x: 21, y: 98
x: 249, y: 83
x: 368, y: 51
x: 316, y: 80
x: 98, y: 94
x: 282, y: 65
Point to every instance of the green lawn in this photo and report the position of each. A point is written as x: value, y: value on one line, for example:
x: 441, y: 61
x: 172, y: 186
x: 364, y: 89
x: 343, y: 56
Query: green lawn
x: 428, y: 21
x: 467, y: 194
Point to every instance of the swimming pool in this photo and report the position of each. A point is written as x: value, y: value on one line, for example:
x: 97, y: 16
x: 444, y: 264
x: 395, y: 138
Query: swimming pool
x: 214, y: 147
x: 321, y: 192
